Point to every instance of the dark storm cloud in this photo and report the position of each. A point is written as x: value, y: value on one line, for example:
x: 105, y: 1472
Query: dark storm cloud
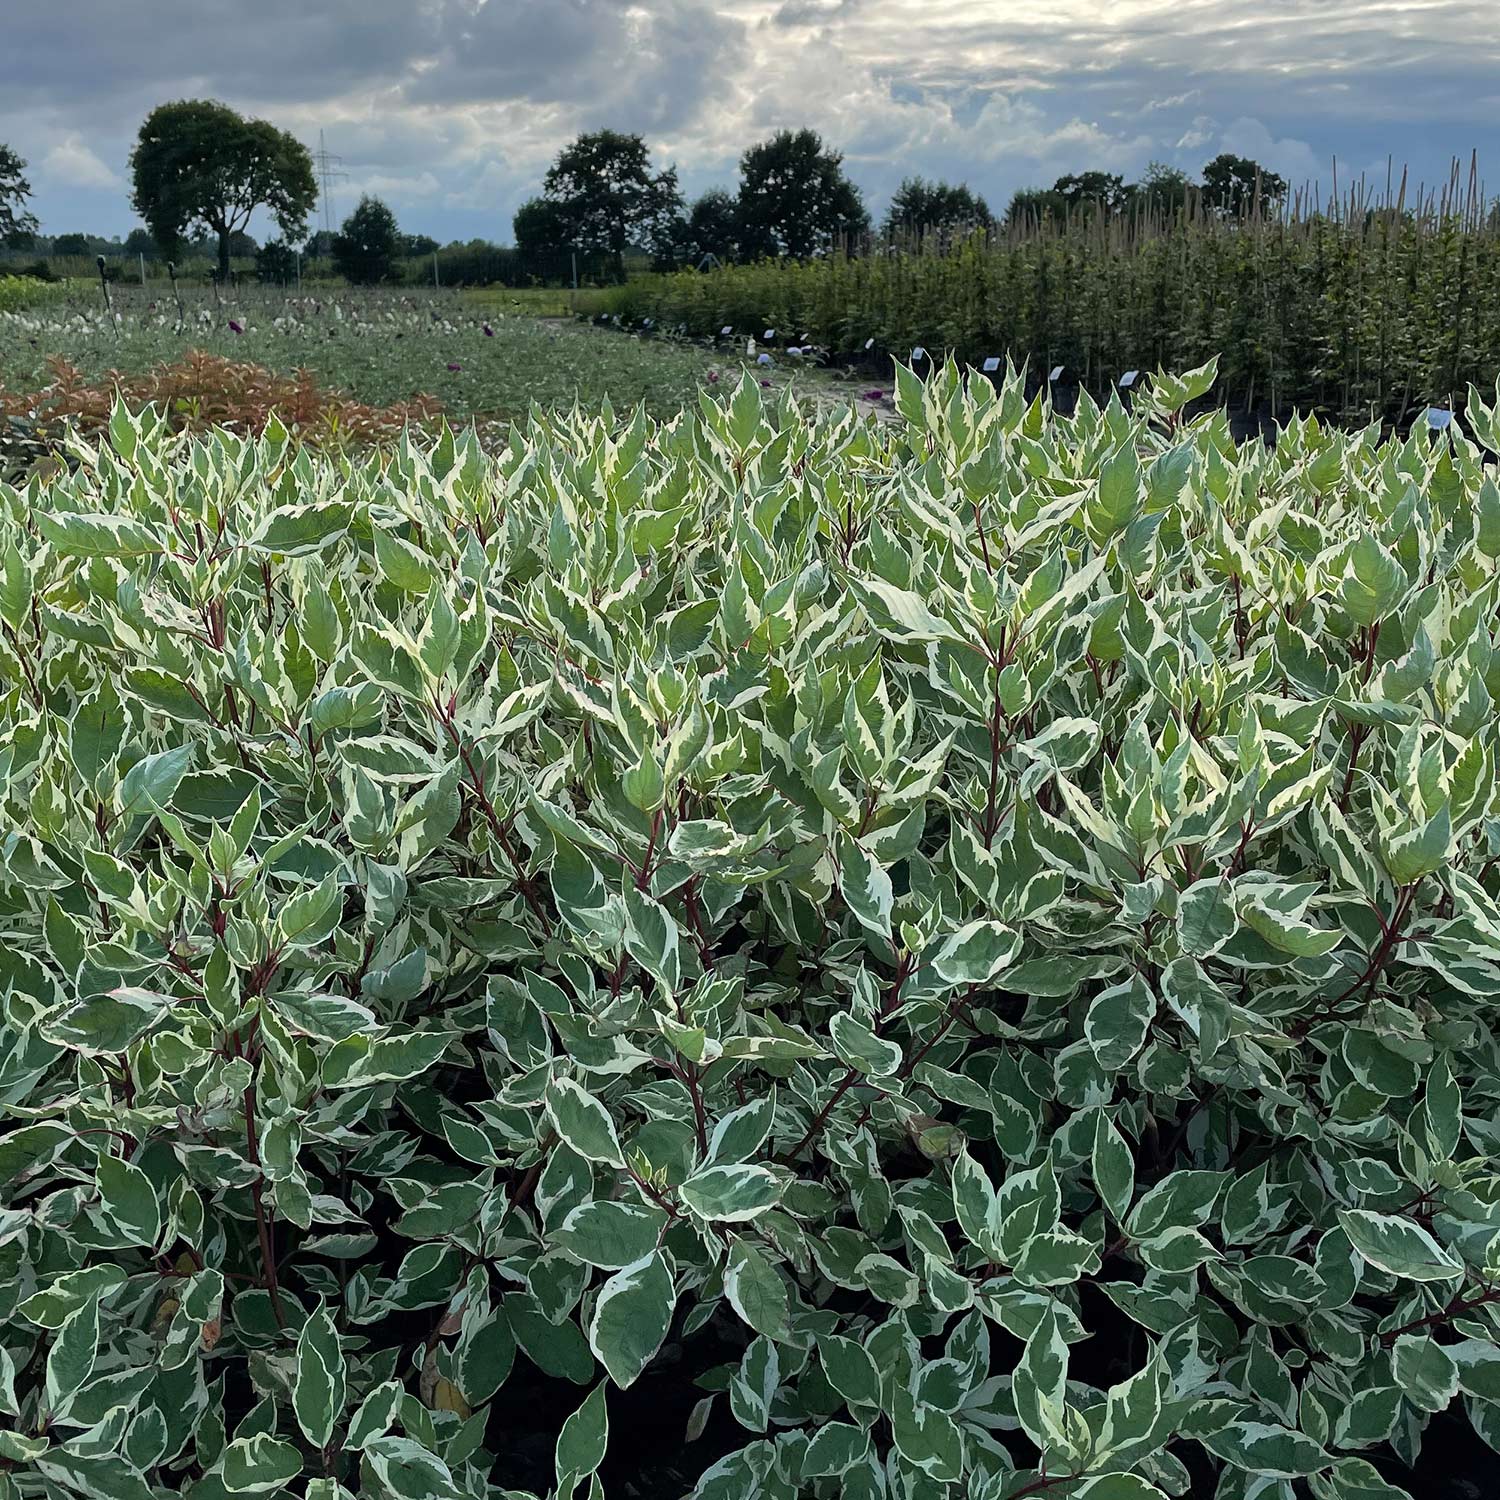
x: 273, y: 51
x: 452, y: 108
x: 610, y: 59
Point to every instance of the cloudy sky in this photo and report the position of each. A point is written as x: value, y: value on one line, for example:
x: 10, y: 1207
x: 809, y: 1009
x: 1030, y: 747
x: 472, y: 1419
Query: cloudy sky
x: 451, y: 109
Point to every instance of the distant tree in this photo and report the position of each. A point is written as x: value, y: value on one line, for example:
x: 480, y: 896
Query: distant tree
x: 1106, y: 190
x: 713, y: 227
x: 276, y: 263
x: 1231, y: 184
x: 367, y: 243
x: 1164, y: 188
x: 477, y: 263
x: 242, y: 246
x: 17, y: 226
x: 920, y: 206
x: 418, y: 244
x: 543, y: 233
x: 1035, y: 203
x: 73, y: 244
x: 610, y: 198
x: 795, y: 199
x: 199, y: 163
x: 319, y: 246
x: 139, y: 242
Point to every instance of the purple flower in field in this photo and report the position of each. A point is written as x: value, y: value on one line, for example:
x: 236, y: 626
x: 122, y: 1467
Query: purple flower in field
x: 455, y: 367
x: 766, y: 383
x: 489, y: 332
x: 713, y: 375
x: 874, y: 395
x: 234, y: 327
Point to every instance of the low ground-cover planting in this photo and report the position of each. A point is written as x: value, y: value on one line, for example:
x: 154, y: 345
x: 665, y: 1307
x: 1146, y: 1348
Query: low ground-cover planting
x: 764, y: 955
x: 379, y: 349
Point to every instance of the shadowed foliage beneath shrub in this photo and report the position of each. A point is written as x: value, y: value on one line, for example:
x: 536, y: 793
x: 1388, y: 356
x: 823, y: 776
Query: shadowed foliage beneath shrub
x: 944, y: 959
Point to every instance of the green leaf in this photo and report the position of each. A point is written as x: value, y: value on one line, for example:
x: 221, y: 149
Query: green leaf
x: 1118, y: 1022
x: 105, y: 1025
x: 128, y: 1197
x: 407, y: 1471
x: 583, y: 1438
x: 318, y: 1390
x: 147, y: 787
x: 835, y: 1448
x: 1267, y: 1449
x: 1398, y: 1246
x: 70, y: 1361
x: 583, y: 1122
x: 733, y: 1193
x: 1374, y: 583
x: 1039, y: 1385
x: 1113, y: 1167
x: 976, y: 953
x: 631, y: 1316
x: 857, y: 1045
x: 610, y: 1234
x: 258, y: 1465
x: 866, y: 887
x: 300, y: 530
x: 755, y: 1291
x: 1424, y: 1370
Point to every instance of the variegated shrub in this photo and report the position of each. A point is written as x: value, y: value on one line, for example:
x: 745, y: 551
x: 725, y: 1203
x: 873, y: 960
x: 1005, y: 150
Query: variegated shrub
x: 969, y: 949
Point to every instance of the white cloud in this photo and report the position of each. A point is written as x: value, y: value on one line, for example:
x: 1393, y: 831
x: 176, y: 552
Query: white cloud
x: 74, y: 164
x: 453, y: 108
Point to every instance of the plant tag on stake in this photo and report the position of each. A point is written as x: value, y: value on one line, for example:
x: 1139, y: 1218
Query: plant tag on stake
x: 918, y: 353
x: 991, y: 364
x: 769, y: 334
x: 726, y: 330
x: 1128, y: 379
x: 1439, y: 417
x: 869, y: 343
x: 1056, y: 374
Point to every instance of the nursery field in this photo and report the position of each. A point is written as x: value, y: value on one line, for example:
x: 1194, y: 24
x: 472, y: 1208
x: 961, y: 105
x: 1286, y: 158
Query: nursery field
x: 755, y: 955
x: 476, y: 355
x: 1369, y: 310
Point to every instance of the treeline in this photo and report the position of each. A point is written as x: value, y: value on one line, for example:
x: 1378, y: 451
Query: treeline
x: 1361, y: 310
x: 603, y: 197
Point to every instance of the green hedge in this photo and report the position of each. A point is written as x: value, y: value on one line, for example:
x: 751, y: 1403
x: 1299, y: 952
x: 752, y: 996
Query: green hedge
x: 1368, y: 315
x: 20, y: 293
x: 780, y: 955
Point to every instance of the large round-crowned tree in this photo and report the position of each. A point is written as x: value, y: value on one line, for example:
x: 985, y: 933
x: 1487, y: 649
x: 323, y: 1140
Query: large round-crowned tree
x: 199, y: 164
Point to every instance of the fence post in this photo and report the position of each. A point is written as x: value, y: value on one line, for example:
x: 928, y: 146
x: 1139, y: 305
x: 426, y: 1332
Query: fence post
x: 109, y: 311
x: 176, y: 295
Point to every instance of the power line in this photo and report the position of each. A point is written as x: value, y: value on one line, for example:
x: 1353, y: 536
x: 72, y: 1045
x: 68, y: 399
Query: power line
x: 328, y: 172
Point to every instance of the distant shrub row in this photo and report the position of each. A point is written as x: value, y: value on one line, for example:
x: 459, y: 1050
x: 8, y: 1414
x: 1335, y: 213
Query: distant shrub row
x: 1367, y: 315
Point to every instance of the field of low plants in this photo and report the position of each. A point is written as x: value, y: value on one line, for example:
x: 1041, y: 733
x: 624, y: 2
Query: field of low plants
x: 482, y: 356
x: 756, y: 955
x: 1367, y: 312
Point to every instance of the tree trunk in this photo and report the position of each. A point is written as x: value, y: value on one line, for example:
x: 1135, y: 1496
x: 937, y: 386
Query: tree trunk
x: 223, y: 256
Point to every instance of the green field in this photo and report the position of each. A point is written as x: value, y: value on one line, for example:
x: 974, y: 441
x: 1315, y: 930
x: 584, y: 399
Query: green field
x: 381, y: 347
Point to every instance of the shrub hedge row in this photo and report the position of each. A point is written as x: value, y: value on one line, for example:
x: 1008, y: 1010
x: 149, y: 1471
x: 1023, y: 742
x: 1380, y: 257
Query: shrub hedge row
x: 763, y: 954
x: 1365, y: 314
